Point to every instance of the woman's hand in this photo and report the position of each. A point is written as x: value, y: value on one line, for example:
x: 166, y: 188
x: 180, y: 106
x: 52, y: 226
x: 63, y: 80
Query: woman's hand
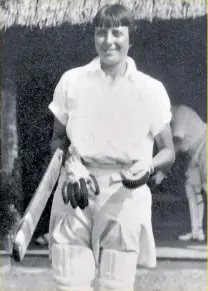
x: 137, y: 175
x: 78, y: 177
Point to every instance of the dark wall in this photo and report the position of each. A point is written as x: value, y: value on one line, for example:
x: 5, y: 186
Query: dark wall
x: 175, y: 53
x: 171, y: 51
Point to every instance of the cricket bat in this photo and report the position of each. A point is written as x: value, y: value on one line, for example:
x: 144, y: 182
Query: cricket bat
x: 36, y: 207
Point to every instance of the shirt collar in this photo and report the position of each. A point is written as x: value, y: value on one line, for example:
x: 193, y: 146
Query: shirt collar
x: 95, y: 66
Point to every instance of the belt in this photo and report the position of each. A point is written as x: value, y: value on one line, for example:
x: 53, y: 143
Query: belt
x: 108, y: 170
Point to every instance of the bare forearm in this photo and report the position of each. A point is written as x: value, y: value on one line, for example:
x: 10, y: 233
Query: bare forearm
x: 59, y: 138
x: 164, y: 159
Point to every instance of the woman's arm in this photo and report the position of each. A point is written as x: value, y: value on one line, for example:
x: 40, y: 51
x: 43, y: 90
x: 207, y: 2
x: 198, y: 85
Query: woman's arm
x: 165, y: 157
x: 162, y: 161
x: 59, y: 138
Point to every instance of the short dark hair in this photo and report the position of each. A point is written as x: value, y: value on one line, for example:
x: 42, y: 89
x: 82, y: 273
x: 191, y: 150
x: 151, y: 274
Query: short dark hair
x: 113, y: 16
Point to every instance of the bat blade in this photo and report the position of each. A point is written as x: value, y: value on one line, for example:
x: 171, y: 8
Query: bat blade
x: 36, y: 207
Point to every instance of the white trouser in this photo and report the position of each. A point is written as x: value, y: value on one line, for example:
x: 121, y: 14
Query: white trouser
x: 196, y: 208
x: 194, y: 184
x: 111, y: 234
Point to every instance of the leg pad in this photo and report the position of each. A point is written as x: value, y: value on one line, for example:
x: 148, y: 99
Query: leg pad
x: 117, y: 270
x: 73, y: 267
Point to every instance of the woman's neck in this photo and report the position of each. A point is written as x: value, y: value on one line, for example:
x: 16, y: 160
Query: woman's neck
x: 114, y: 72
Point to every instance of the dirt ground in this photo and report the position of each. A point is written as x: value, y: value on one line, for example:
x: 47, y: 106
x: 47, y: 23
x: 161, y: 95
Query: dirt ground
x: 35, y: 275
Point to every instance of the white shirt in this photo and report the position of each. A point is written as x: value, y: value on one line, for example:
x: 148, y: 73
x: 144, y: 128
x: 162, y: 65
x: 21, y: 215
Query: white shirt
x: 111, y: 123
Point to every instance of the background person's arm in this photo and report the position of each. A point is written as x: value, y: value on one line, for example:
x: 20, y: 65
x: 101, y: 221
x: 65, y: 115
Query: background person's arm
x: 178, y: 125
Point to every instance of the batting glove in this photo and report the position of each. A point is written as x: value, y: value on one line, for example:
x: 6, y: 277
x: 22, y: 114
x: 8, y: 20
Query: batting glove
x: 75, y: 187
x: 137, y: 175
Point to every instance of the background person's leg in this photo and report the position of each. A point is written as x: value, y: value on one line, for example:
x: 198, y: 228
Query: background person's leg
x: 200, y: 209
x: 201, y: 199
x: 195, y: 183
x: 193, y: 210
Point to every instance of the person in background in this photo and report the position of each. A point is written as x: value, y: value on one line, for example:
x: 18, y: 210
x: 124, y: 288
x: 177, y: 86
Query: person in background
x: 111, y: 113
x: 189, y: 136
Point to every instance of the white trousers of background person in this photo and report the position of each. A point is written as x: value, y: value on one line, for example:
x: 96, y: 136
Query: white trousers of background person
x: 194, y: 184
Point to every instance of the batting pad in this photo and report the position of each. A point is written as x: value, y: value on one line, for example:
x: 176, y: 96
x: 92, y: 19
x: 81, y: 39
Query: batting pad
x: 73, y: 267
x: 117, y: 270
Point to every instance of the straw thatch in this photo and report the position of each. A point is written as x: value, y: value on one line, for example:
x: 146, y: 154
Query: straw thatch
x: 55, y: 12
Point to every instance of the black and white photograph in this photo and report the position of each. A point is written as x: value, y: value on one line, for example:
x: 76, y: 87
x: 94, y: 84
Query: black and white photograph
x: 103, y: 145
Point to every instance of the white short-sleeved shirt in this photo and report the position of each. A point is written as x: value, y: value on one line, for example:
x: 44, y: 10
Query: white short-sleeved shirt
x: 189, y: 127
x: 111, y: 122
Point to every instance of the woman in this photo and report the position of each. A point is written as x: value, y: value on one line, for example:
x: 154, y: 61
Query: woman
x: 111, y: 113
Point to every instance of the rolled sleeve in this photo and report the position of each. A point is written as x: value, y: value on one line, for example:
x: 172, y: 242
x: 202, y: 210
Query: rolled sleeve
x: 161, y: 110
x: 59, y: 104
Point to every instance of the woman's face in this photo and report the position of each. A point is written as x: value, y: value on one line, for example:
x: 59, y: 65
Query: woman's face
x: 112, y: 44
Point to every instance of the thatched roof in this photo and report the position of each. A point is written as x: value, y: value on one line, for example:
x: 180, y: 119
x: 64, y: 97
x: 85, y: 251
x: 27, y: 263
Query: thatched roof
x: 55, y: 12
